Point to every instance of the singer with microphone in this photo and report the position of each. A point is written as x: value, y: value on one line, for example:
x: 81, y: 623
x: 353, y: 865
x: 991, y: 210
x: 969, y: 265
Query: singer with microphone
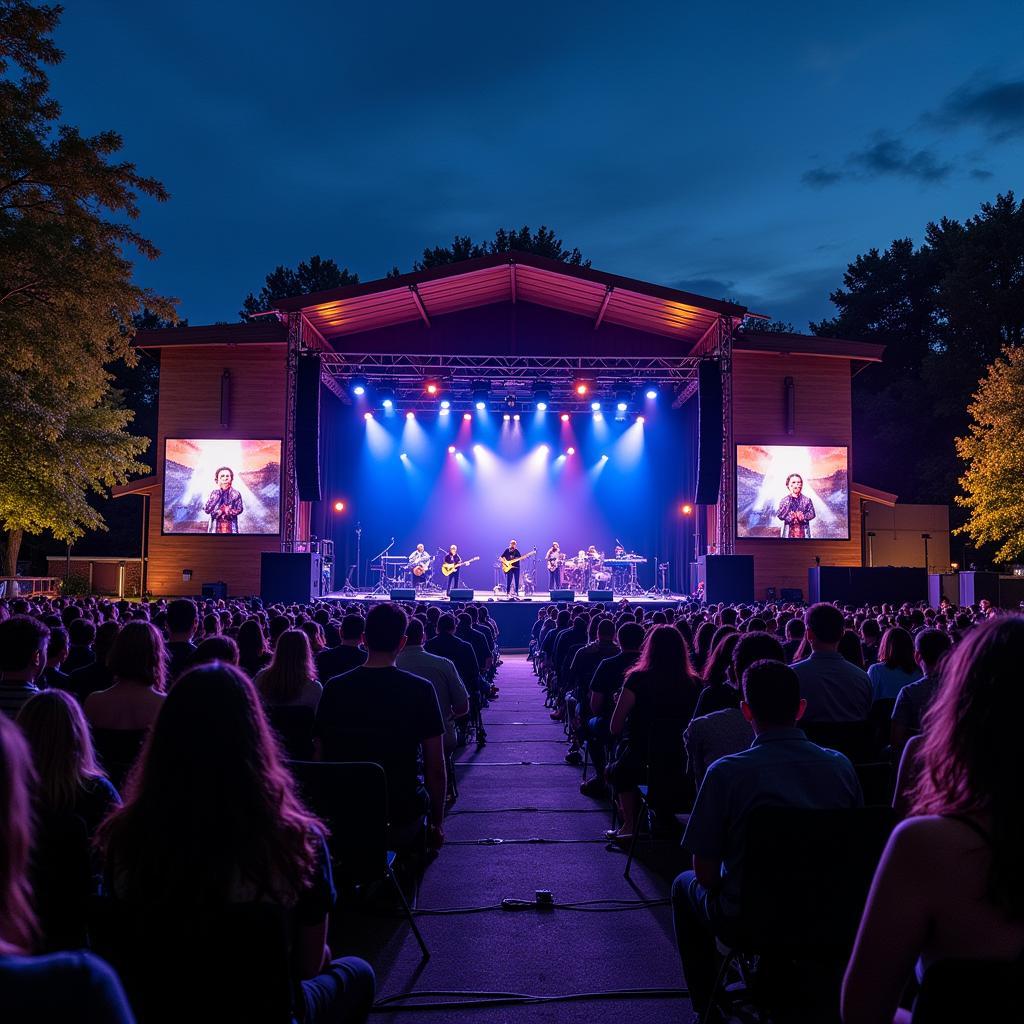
x: 225, y: 503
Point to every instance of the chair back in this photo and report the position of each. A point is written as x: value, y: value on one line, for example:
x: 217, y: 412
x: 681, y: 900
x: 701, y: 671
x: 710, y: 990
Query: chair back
x: 198, y: 966
x: 970, y: 990
x: 850, y: 738
x: 351, y: 797
x: 877, y: 783
x: 880, y: 723
x: 806, y: 875
x: 669, y: 787
x: 62, y: 878
x: 293, y: 724
x: 118, y: 750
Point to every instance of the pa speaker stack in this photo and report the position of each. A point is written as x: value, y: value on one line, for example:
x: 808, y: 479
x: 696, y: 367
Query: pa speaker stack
x: 709, y: 432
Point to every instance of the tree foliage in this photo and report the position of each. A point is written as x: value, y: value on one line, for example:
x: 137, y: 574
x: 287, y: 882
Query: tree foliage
x: 541, y: 242
x: 993, y: 483
x: 944, y: 311
x: 313, y: 275
x: 67, y: 298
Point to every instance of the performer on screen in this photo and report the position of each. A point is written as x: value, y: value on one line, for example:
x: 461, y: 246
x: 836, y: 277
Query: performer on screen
x: 554, y: 558
x: 225, y: 503
x: 512, y: 576
x: 452, y: 558
x: 795, y: 510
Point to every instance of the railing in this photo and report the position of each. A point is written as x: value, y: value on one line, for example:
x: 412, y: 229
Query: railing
x: 29, y: 586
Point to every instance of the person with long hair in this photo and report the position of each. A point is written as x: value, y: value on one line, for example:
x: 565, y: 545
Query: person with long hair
x: 949, y: 884
x: 211, y: 818
x: 290, y: 678
x: 253, y: 653
x: 659, y: 691
x: 71, y: 987
x: 702, y: 644
x: 138, y: 664
x: 895, y: 667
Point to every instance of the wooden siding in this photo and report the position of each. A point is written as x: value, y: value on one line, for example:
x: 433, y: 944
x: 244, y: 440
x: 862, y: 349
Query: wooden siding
x: 190, y: 407
x: 823, y: 416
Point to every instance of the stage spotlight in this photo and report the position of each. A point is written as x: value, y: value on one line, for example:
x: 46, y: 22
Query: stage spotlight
x: 545, y: 449
x: 403, y: 456
x: 622, y: 400
x: 565, y: 417
x: 387, y: 399
x: 506, y: 417
x: 432, y: 388
x: 451, y: 449
x: 445, y: 405
x: 570, y: 451
x: 410, y: 415
x: 582, y: 387
x: 515, y: 416
x: 542, y: 399
x: 511, y: 401
x: 604, y: 458
x: 480, y: 396
x: 367, y: 415
x: 595, y: 406
x: 339, y: 506
x: 478, y: 448
x: 359, y: 386
x: 467, y: 416
x: 640, y: 419
x: 686, y: 509
x: 651, y: 393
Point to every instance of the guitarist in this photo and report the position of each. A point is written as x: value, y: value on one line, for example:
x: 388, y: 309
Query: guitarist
x: 452, y: 558
x: 554, y: 558
x: 512, y: 576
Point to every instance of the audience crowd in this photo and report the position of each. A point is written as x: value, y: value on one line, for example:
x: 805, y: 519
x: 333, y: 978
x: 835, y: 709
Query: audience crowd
x: 146, y: 749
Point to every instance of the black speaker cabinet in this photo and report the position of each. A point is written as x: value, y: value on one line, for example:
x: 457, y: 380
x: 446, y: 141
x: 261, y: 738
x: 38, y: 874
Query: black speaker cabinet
x: 726, y: 577
x: 289, y: 576
x: 217, y: 590
x: 562, y: 595
x: 601, y: 595
x: 307, y: 427
x: 867, y: 585
x: 403, y: 594
x: 709, y: 432
x: 460, y: 594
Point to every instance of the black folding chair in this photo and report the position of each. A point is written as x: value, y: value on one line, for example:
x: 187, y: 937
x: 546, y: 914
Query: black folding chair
x: 970, y: 990
x: 806, y: 876
x: 850, y: 738
x: 877, y: 781
x: 294, y: 727
x: 180, y: 964
x: 352, y: 799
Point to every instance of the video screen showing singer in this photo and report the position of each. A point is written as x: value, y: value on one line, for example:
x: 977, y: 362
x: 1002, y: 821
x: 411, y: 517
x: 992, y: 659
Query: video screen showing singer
x: 795, y: 510
x: 224, y: 505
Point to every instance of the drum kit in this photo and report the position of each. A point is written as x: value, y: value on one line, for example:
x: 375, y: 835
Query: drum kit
x: 591, y: 570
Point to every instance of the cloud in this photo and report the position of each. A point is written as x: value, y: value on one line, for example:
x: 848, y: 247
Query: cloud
x: 886, y: 156
x: 996, y: 106
x: 980, y: 174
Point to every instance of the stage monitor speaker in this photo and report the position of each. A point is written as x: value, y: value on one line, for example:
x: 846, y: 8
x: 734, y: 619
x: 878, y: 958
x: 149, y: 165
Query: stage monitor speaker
x: 289, y: 576
x: 727, y: 578
x: 307, y: 428
x: 601, y: 595
x: 563, y: 595
x: 461, y: 594
x: 403, y: 594
x: 791, y: 594
x: 709, y: 432
x: 218, y: 591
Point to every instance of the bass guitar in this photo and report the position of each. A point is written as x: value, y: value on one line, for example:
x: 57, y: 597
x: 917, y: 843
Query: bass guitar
x: 508, y: 564
x: 447, y: 568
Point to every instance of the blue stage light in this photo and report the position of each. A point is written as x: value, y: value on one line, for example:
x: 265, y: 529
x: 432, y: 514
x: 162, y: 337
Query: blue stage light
x: 445, y: 405
x: 595, y: 406
x: 388, y: 403
x: 652, y: 393
x: 359, y: 385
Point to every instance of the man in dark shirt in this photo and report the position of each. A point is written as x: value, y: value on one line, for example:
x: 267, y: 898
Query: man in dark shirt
x: 379, y: 713
x: 464, y: 631
x: 82, y: 633
x: 182, y: 620
x: 606, y: 683
x: 782, y: 768
x: 347, y: 655
x: 23, y: 641
x: 461, y: 654
x: 930, y: 648
x: 95, y: 677
x: 54, y: 677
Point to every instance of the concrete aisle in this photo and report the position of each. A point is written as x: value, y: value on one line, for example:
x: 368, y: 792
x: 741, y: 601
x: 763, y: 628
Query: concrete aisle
x: 517, y: 788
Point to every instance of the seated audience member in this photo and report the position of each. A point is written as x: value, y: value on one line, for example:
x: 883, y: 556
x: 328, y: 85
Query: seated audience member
x: 720, y: 690
x: 82, y: 634
x: 23, y: 643
x: 96, y: 676
x: 930, y: 649
x: 182, y: 622
x: 216, y: 648
x: 379, y: 713
x: 442, y: 675
x: 895, y: 666
x: 74, y: 988
x: 658, y: 693
x: 54, y: 677
x: 835, y: 690
x: 253, y: 653
x: 870, y: 639
x: 949, y: 884
x: 315, y: 632
x: 727, y: 731
x: 212, y: 819
x: 794, y: 638
x: 460, y: 653
x: 702, y: 644
x: 850, y: 648
x: 464, y: 630
x: 290, y: 678
x: 781, y: 768
x: 347, y: 655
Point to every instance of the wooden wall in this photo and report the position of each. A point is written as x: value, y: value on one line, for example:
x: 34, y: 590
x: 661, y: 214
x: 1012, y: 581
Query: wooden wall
x: 823, y: 416
x: 190, y: 407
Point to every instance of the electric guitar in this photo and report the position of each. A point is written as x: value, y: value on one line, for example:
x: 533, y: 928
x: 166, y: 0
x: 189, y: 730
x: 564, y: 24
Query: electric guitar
x: 555, y: 561
x: 508, y: 564
x: 447, y: 568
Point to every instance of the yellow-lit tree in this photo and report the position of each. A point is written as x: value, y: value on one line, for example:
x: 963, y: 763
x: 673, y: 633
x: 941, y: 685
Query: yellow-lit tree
x: 993, y: 449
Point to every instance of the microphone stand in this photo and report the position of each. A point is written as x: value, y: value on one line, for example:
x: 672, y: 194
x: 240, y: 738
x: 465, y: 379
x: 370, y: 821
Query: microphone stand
x: 380, y: 587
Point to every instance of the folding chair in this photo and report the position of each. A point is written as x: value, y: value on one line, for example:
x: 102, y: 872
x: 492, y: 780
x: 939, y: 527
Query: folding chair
x: 294, y: 727
x: 352, y: 799
x: 850, y: 738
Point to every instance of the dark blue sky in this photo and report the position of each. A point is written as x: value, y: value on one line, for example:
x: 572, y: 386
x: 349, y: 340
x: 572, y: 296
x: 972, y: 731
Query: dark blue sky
x: 742, y: 150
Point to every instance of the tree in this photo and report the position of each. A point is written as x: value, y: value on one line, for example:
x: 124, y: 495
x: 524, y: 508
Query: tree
x: 993, y: 482
x: 755, y: 325
x: 67, y: 297
x: 542, y: 242
x: 313, y: 275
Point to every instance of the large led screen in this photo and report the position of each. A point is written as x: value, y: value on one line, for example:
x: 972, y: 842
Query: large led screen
x: 222, y: 487
x: 792, y: 492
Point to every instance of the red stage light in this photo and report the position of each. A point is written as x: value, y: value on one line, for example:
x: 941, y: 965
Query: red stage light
x: 565, y: 417
x: 339, y: 506
x: 581, y: 388
x: 686, y: 509
x: 432, y: 388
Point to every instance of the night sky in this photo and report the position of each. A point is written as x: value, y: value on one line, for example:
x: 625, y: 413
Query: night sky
x: 740, y: 150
